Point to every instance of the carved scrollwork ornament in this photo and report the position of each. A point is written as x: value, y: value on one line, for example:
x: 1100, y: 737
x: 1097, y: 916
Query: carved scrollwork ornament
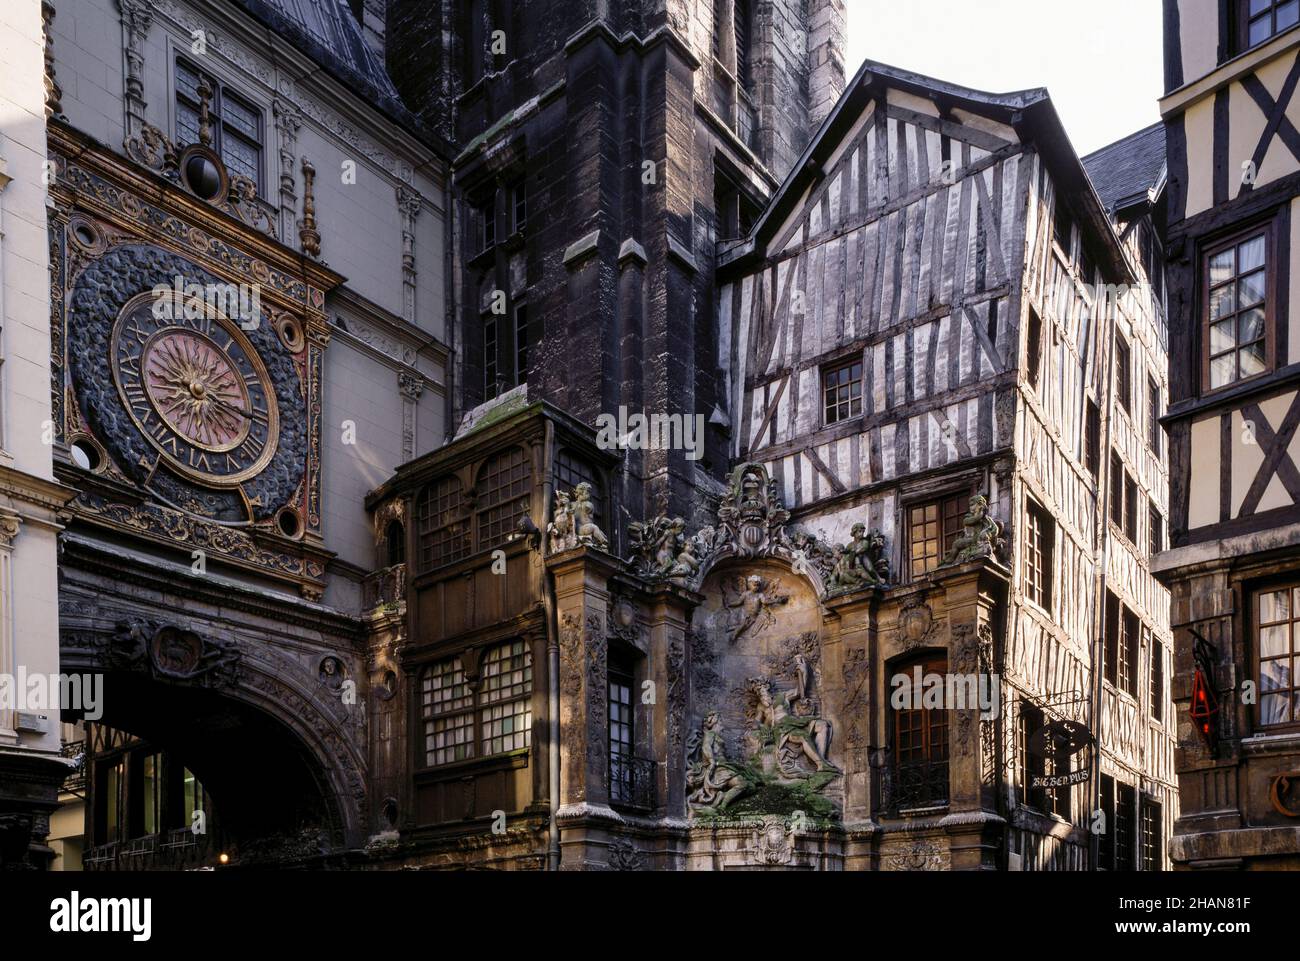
x: 624, y: 856
x: 752, y: 524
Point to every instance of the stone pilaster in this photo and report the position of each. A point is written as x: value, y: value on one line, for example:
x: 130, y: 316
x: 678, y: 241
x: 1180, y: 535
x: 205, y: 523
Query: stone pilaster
x: 582, y: 609
x: 137, y: 16
x: 849, y: 652
x: 975, y: 596
x: 669, y: 617
x: 408, y: 205
x: 288, y: 121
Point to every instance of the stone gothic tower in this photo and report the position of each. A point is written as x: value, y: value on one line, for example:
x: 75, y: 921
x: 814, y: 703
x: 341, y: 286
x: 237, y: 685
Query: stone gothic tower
x: 605, y: 148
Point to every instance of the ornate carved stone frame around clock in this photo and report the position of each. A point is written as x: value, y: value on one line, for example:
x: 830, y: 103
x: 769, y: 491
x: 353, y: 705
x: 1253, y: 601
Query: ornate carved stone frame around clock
x: 135, y: 205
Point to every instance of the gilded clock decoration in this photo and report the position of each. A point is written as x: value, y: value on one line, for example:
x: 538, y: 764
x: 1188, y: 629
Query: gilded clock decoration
x: 195, y: 388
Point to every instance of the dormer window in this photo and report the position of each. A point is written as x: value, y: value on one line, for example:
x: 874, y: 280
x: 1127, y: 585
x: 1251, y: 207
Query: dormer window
x: 234, y: 125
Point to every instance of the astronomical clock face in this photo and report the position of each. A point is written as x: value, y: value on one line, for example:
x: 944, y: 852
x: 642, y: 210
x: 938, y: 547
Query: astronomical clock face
x: 195, y: 387
x: 192, y: 391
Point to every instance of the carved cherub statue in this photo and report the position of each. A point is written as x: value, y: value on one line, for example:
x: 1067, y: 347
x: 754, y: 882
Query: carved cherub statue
x: 584, y: 518
x: 687, y: 564
x: 670, y: 545
x: 859, y: 563
x: 751, y: 607
x: 560, y: 529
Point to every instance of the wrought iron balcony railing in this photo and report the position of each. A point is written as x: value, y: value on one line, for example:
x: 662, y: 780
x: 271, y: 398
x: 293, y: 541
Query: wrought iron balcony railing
x: 75, y: 782
x: 914, y: 786
x: 631, y: 781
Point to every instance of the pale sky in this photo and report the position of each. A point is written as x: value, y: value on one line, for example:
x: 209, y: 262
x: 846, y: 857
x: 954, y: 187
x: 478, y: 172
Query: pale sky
x: 1101, y: 61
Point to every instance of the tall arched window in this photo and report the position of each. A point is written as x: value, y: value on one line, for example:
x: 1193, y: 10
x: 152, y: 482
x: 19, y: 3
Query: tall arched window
x: 395, y: 543
x: 920, y: 738
x: 502, y: 489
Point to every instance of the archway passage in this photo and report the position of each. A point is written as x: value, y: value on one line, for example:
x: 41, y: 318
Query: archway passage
x: 161, y: 752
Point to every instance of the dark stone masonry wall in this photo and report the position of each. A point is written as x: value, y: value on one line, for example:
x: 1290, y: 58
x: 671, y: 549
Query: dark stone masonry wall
x: 616, y: 273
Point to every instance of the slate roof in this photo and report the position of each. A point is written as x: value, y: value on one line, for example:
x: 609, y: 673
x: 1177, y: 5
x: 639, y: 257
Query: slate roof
x: 327, y: 32
x: 1124, y: 172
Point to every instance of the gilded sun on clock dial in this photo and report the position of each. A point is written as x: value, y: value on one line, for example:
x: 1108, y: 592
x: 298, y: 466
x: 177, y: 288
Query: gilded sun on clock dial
x: 196, y: 389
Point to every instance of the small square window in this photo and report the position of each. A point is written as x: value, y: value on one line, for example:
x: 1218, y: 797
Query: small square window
x: 1260, y: 20
x: 842, y: 392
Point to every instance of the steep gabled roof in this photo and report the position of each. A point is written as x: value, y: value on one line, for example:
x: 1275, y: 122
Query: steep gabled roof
x: 1030, y: 112
x: 1127, y: 171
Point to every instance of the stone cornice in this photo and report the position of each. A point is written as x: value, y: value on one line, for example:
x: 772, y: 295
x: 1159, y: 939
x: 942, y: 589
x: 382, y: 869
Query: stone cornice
x: 224, y: 593
x: 36, y: 491
x: 388, y: 337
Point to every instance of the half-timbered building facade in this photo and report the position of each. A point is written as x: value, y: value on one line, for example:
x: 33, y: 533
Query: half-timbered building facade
x: 1231, y: 71
x: 692, y: 462
x: 938, y: 305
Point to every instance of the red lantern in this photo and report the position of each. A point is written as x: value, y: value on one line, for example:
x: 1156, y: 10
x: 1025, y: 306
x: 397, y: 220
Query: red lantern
x: 1205, y: 708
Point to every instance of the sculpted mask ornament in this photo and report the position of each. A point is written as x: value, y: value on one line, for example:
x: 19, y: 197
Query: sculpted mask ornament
x: 981, y: 534
x: 773, y: 842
